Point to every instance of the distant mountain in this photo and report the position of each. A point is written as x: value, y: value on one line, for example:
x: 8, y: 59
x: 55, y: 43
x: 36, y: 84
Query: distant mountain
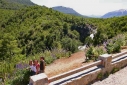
x: 67, y: 10
x: 117, y: 13
x: 95, y: 16
x: 15, y: 4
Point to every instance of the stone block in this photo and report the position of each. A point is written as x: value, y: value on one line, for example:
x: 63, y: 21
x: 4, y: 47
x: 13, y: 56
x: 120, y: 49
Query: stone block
x: 39, y: 79
x: 106, y: 59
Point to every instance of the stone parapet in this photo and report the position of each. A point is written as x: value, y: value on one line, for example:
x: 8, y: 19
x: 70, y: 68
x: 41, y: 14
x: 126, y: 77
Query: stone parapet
x: 85, y: 74
x: 54, y: 78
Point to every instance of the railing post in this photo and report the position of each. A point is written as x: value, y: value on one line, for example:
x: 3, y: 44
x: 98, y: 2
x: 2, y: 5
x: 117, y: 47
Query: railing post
x: 106, y: 60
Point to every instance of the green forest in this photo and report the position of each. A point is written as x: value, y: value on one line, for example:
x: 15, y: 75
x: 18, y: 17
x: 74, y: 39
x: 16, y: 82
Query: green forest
x: 28, y: 31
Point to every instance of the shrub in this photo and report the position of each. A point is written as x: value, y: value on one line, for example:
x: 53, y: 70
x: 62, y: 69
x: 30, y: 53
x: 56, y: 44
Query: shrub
x: 93, y: 53
x: 113, y: 47
x: 20, y: 77
x: 115, y: 69
x: 51, y: 55
x: 99, y: 76
x: 106, y: 74
x: 49, y: 59
x: 114, y: 44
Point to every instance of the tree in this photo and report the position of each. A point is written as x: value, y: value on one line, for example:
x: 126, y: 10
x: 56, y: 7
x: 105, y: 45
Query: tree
x: 8, y: 47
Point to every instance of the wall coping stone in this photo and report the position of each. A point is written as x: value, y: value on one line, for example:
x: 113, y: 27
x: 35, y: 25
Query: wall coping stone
x: 119, y: 54
x: 105, y: 55
x: 75, y: 70
x: 42, y: 77
x: 79, y: 75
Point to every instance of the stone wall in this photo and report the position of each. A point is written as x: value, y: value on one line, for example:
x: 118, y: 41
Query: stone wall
x: 105, y: 64
x: 54, y: 78
x: 108, y: 67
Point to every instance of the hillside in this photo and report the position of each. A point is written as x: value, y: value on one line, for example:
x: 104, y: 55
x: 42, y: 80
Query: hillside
x: 67, y: 10
x: 5, y: 14
x: 15, y: 4
x: 25, y: 2
x: 117, y: 13
x: 33, y: 31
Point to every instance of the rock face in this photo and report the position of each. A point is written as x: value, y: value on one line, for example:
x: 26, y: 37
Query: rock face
x: 84, y: 30
x: 117, y: 13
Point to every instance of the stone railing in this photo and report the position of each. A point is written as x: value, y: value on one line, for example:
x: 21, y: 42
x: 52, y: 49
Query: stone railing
x: 85, y: 74
x: 119, y: 54
x: 54, y: 78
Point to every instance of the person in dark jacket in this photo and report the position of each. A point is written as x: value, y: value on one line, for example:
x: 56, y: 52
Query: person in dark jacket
x: 42, y: 65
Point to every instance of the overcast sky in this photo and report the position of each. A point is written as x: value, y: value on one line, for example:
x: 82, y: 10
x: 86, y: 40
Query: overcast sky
x: 86, y: 7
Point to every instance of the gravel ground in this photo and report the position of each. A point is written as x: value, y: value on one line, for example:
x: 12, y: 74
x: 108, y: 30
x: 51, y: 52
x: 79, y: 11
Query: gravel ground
x: 65, y: 64
x: 118, y: 78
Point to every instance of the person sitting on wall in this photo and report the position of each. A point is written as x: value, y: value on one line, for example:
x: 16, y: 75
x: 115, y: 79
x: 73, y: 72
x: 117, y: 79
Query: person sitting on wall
x: 42, y: 65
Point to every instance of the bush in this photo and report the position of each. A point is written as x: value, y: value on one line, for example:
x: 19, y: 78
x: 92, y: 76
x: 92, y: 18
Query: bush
x: 21, y: 77
x: 99, y: 76
x: 106, y: 74
x: 115, y: 69
x: 113, y: 47
x: 51, y: 55
x: 49, y: 59
x: 114, y: 44
x: 93, y: 53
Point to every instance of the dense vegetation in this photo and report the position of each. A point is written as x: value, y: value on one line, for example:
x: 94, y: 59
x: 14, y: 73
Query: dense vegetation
x: 15, y: 4
x: 34, y: 31
x: 25, y: 2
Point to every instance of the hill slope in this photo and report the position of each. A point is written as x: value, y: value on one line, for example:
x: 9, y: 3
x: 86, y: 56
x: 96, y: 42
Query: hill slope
x: 37, y: 28
x: 27, y: 32
x: 121, y: 12
x: 15, y: 4
x: 25, y: 2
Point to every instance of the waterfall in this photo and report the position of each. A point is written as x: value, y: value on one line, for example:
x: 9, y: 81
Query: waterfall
x: 84, y: 47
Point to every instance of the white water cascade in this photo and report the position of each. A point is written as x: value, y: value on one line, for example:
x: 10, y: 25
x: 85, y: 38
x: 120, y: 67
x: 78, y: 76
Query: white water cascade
x: 84, y: 47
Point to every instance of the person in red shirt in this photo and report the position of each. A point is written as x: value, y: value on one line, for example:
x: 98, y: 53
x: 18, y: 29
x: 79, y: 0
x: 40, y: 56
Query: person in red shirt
x: 37, y: 66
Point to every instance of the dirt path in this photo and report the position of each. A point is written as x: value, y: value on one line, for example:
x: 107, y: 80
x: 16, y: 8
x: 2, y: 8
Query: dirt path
x: 66, y: 64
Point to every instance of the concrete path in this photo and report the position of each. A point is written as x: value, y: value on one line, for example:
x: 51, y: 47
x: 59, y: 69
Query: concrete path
x: 118, y: 78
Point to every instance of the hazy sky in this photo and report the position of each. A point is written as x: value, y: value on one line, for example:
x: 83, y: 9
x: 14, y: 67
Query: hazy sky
x: 86, y: 7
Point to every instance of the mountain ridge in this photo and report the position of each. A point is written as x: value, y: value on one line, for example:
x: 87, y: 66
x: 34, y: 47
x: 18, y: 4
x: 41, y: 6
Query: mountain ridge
x: 116, y: 13
x: 67, y: 10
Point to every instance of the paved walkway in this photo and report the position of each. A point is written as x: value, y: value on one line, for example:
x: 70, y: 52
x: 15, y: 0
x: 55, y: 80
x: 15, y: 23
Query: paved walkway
x: 118, y: 78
